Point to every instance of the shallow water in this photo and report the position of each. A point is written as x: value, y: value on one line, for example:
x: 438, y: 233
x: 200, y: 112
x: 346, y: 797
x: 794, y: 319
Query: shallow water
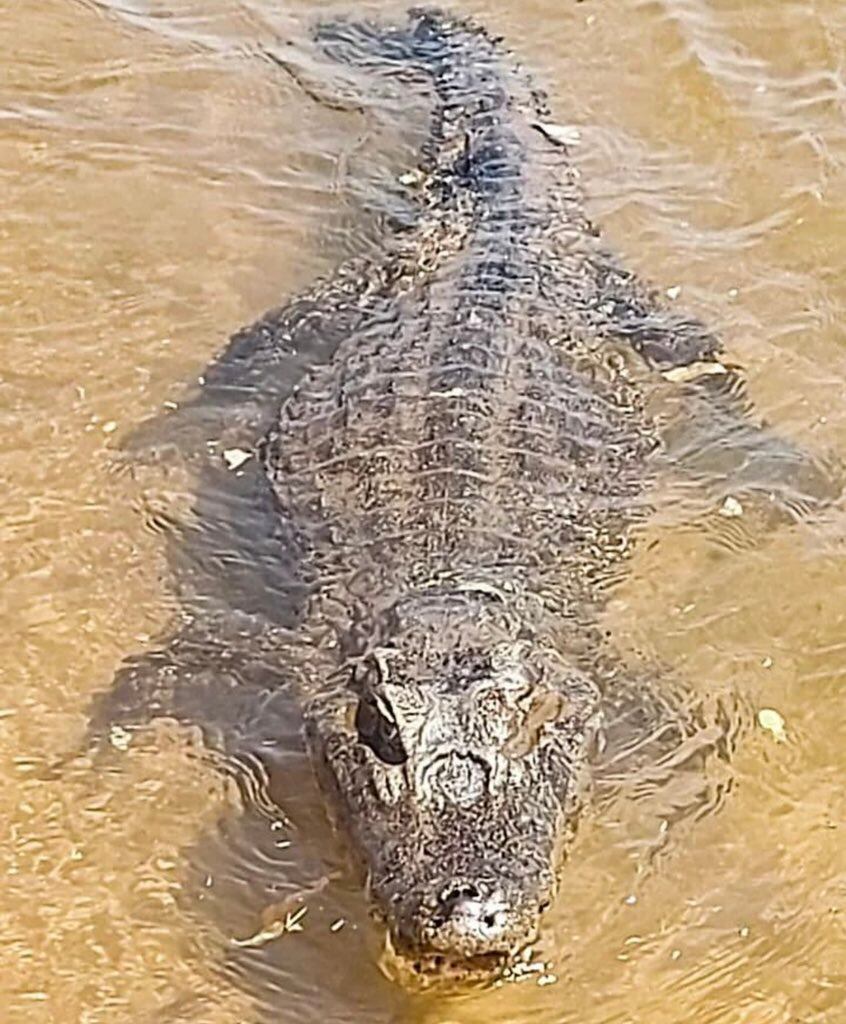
x: 163, y: 183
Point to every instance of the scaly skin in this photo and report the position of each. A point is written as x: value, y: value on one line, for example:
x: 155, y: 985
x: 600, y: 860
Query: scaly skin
x: 465, y: 473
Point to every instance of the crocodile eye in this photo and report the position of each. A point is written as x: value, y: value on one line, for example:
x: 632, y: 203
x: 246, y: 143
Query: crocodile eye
x: 378, y: 730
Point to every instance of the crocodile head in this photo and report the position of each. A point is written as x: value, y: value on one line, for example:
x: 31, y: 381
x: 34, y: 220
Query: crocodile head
x: 453, y: 750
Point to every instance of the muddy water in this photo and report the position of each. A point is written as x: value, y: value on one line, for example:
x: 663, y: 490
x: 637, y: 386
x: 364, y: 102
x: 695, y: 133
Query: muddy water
x: 162, y: 183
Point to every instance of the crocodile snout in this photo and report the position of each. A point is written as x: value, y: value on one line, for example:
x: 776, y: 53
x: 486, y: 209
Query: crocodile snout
x: 468, y: 920
x: 472, y: 922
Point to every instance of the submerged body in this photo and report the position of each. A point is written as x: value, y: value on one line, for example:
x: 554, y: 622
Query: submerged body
x: 466, y: 471
x: 460, y: 476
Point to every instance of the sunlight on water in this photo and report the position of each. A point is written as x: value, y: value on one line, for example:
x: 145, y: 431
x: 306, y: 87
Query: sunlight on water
x: 164, y: 182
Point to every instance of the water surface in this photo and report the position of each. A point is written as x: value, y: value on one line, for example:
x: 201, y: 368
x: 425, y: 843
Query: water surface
x: 163, y: 183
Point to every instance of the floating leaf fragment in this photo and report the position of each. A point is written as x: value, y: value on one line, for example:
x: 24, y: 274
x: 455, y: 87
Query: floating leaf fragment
x: 292, y: 921
x: 283, y: 917
x: 731, y: 508
x: 561, y: 134
x: 273, y: 928
x: 411, y: 179
x: 235, y: 457
x: 690, y: 371
x: 119, y: 737
x: 770, y: 720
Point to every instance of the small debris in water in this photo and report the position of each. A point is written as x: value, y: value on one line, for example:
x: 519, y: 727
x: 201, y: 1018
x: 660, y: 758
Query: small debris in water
x: 411, y: 178
x: 120, y: 737
x: 562, y: 134
x: 336, y: 926
x: 274, y: 927
x: 292, y: 921
x: 674, y: 292
x: 547, y: 979
x: 770, y: 720
x: 630, y: 900
x: 744, y: 931
x: 731, y: 508
x: 520, y: 970
x: 690, y: 371
x: 766, y: 662
x: 170, y: 405
x: 235, y: 457
x: 676, y: 953
x: 284, y: 917
x: 110, y: 427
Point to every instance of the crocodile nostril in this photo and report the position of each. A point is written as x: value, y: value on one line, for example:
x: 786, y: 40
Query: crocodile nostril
x: 455, y: 892
x: 471, y: 920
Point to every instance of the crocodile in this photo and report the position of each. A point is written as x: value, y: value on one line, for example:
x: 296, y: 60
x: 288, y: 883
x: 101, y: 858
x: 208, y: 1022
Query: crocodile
x: 453, y: 445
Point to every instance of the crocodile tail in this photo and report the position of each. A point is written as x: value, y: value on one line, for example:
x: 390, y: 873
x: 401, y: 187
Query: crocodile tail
x: 461, y: 56
x: 480, y: 90
x: 429, y: 40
